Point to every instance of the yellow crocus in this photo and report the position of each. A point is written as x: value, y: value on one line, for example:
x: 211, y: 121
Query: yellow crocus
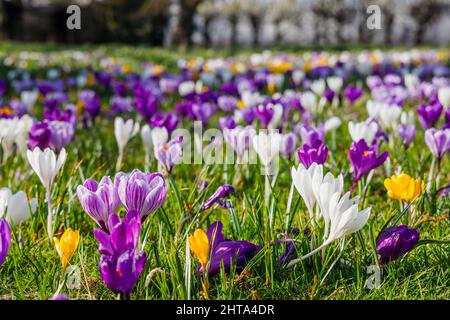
x: 403, y: 187
x: 199, y: 245
x: 66, y: 246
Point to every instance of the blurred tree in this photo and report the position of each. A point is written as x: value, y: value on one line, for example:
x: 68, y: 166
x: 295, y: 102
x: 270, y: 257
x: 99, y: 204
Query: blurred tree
x: 185, y: 25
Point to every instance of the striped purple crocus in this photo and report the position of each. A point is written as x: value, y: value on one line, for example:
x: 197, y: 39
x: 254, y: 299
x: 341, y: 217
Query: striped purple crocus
x: 143, y: 192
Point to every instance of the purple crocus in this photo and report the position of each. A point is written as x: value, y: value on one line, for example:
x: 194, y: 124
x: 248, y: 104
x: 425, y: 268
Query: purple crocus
x: 5, y: 240
x: 438, y: 140
x: 62, y: 133
x: 90, y: 102
x: 60, y: 297
x: 227, y: 103
x: 310, y: 134
x: 265, y: 113
x: 315, y: 153
x: 395, y: 242
x: 363, y: 159
x: 121, y: 264
x: 170, y: 154
x: 53, y: 134
x: 39, y: 136
x: 239, y: 139
x: 227, y: 251
x: 429, y: 114
x: 288, y: 144
x: 407, y: 133
x: 353, y: 93
x: 143, y: 192
x: 168, y: 120
x: 227, y: 122
x: 99, y: 200
x: 221, y: 192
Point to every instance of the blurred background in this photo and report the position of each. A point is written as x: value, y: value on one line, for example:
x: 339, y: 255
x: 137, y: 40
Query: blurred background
x: 228, y: 23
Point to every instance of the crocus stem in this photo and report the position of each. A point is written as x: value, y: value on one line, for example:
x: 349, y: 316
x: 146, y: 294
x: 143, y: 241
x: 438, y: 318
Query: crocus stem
x: 430, y: 175
x: 146, y: 161
x: 267, y: 190
x: 295, y: 261
x: 355, y: 182
x: 288, y: 207
x: 119, y: 160
x: 49, y: 217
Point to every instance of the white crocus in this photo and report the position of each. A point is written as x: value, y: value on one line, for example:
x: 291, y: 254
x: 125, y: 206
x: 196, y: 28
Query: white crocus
x: 29, y: 98
x: 335, y: 83
x: 366, y: 130
x: 444, y: 96
x: 323, y: 188
x: 332, y: 124
x: 15, y: 207
x: 345, y: 219
x: 389, y: 115
x: 186, y: 87
x: 309, y: 102
x: 276, y: 118
x: 303, y: 181
x: 47, y: 165
x: 318, y: 87
x: 408, y: 118
x: 267, y: 146
x: 159, y: 136
x: 124, y: 131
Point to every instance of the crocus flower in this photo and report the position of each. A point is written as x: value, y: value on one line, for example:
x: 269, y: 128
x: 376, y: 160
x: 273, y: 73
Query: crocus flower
x: 124, y: 131
x: 16, y: 207
x: 99, y: 200
x: 288, y: 143
x: 221, y: 192
x: 429, y: 114
x: 143, y: 192
x: 366, y: 130
x: 353, y: 93
x: 146, y: 136
x: 317, y: 153
x: 121, y: 236
x: 121, y: 273
x: 169, y: 154
x: 121, y: 264
x: 169, y: 121
x: 62, y: 297
x: 66, y: 246
x: 310, y: 134
x: 227, y: 251
x: 239, y: 139
x: 438, y: 140
x: 267, y: 146
x: 52, y: 134
x: 46, y: 165
x: 403, y: 187
x: 395, y: 242
x: 444, y: 96
x: 364, y: 159
x: 160, y: 135
x: 345, y: 218
x: 227, y: 123
x: 407, y: 133
x: 199, y: 245
x: 5, y: 240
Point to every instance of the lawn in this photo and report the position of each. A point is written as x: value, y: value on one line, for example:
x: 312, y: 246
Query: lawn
x: 32, y: 268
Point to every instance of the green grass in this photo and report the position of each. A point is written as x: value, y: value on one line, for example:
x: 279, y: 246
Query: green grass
x: 32, y: 269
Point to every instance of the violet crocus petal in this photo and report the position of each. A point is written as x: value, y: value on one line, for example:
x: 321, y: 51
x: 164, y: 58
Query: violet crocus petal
x: 221, y: 192
x: 230, y: 252
x: 214, y: 234
x: 395, y: 242
x: 5, y: 240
